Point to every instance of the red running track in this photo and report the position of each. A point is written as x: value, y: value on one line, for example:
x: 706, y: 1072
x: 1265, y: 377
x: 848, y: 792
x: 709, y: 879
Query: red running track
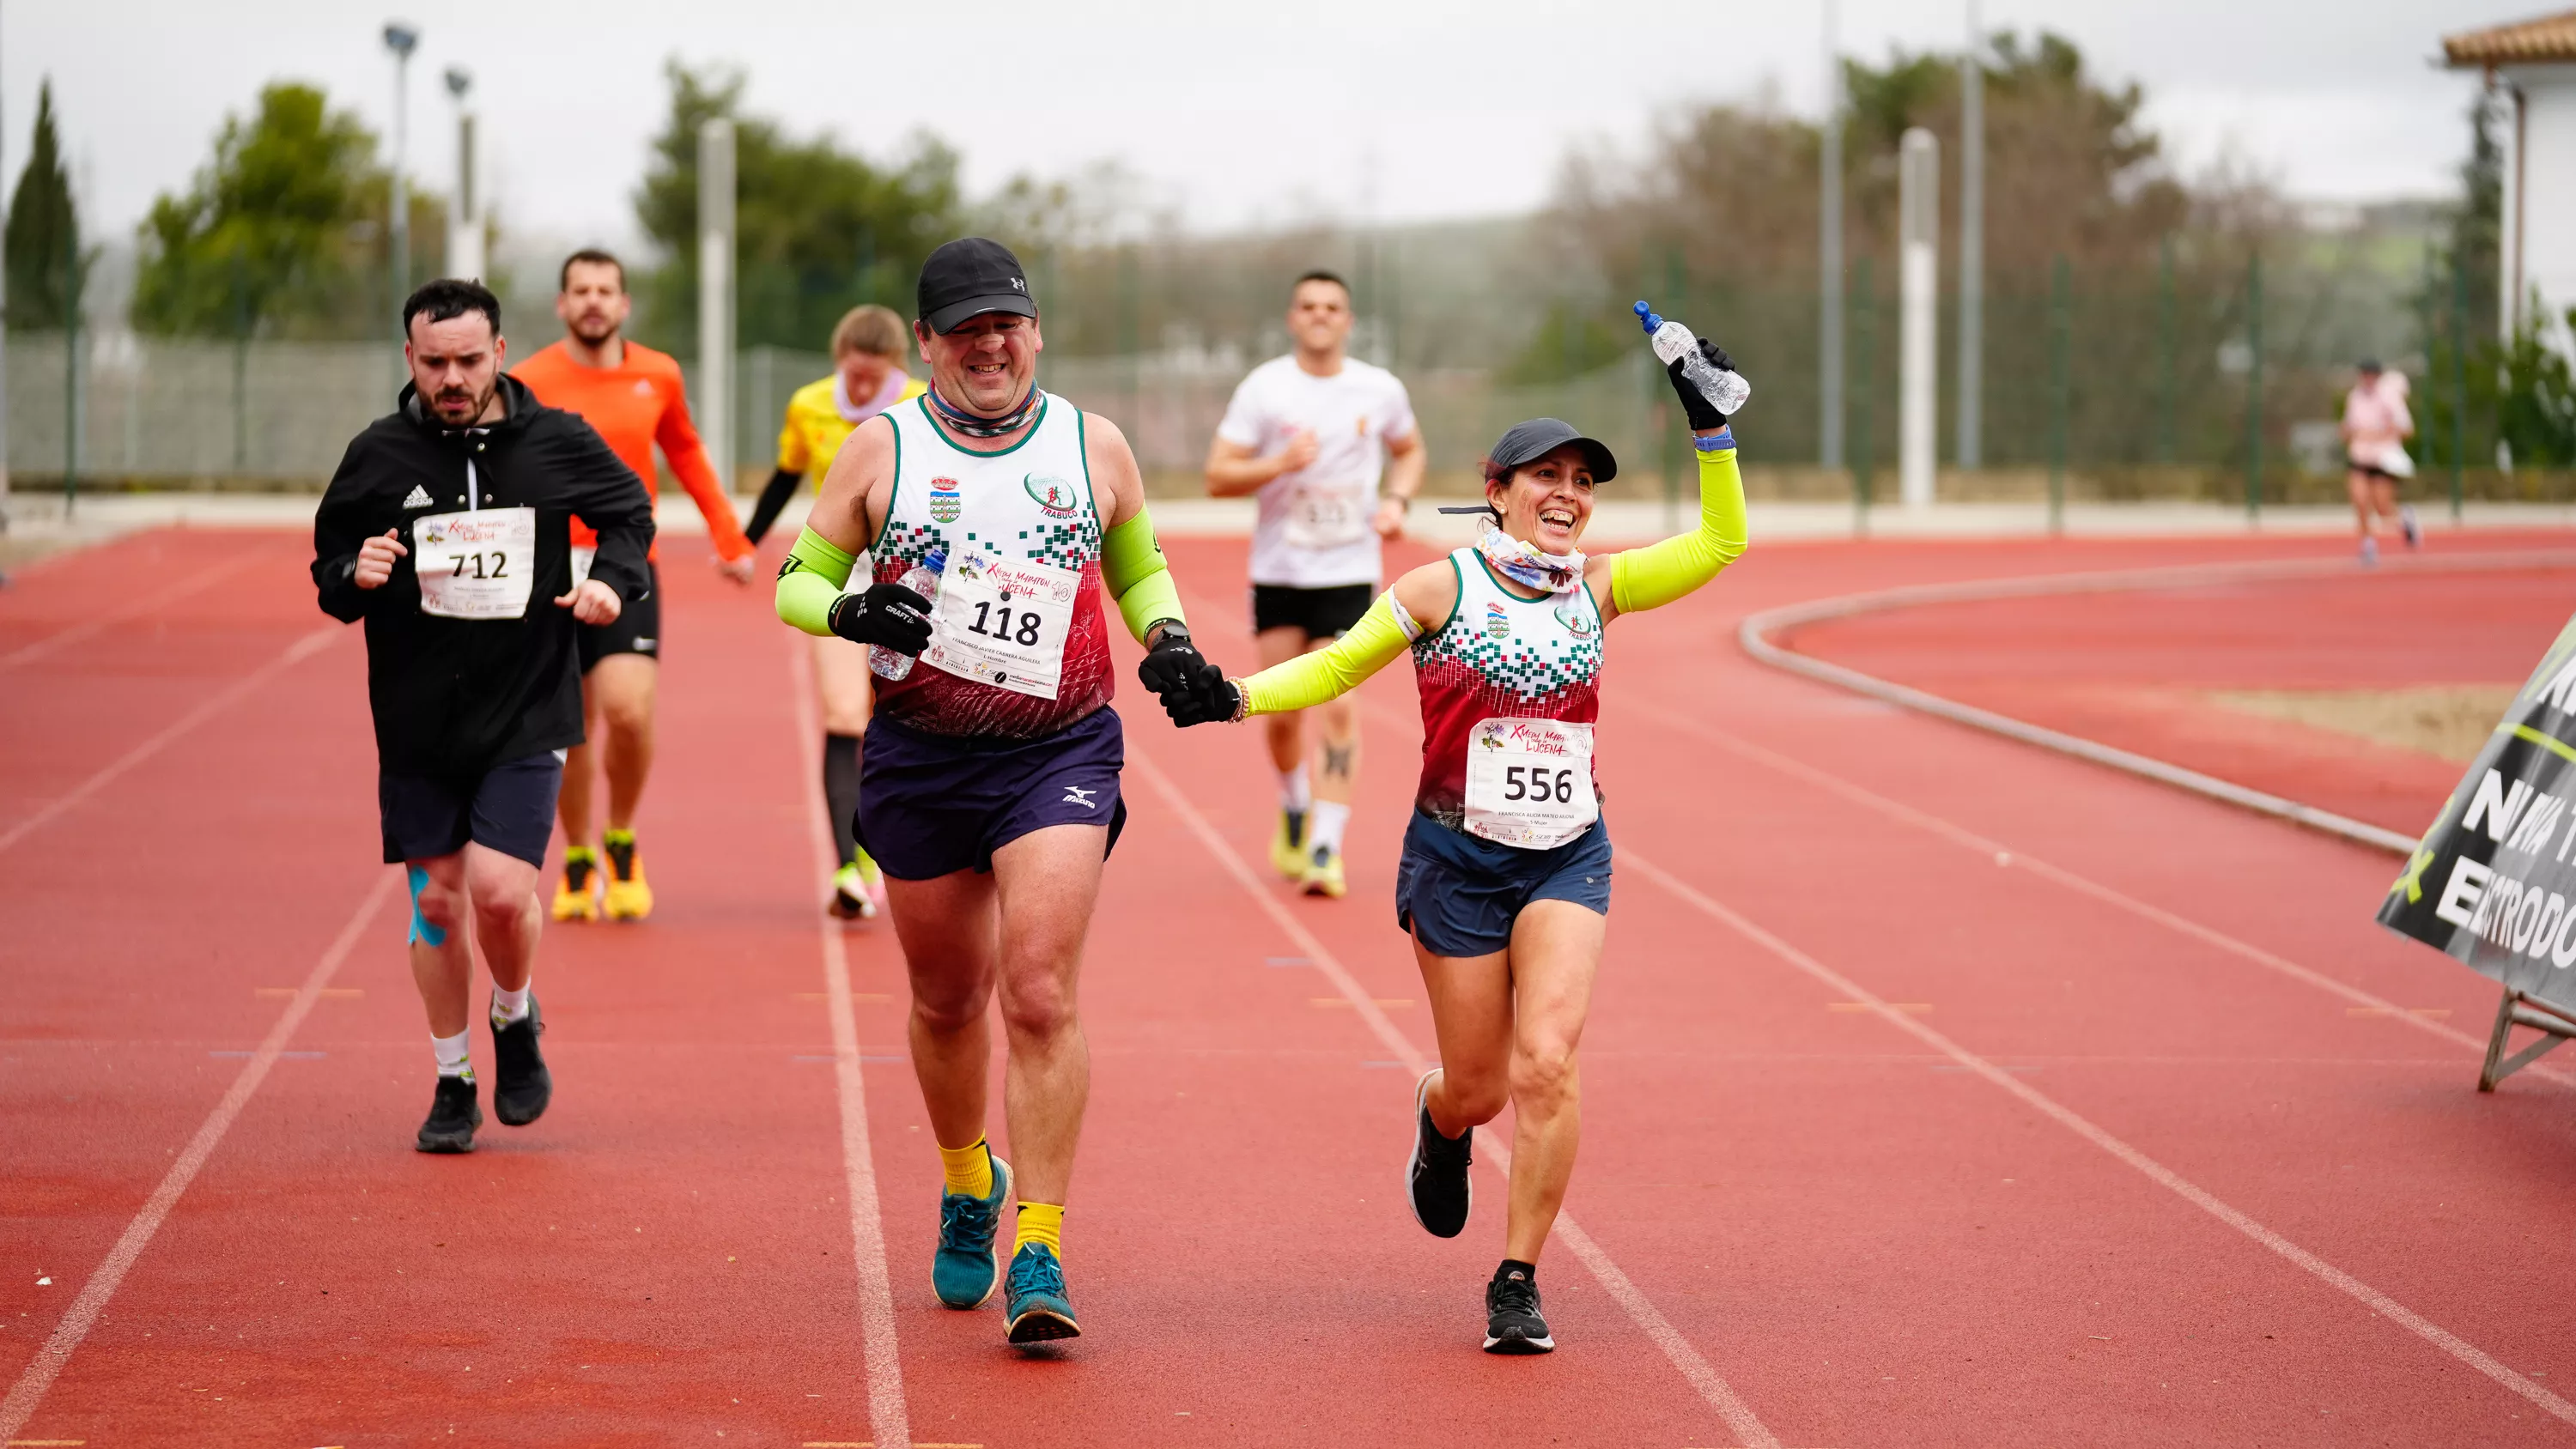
x: 1940, y: 1091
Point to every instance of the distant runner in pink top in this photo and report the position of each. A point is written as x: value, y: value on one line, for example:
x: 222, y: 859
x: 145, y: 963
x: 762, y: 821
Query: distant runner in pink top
x: 2376, y: 426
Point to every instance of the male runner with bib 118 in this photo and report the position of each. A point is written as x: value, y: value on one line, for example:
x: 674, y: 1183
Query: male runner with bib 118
x: 1309, y: 435
x: 869, y: 346
x: 1505, y: 881
x: 989, y: 794
x: 448, y: 530
x: 632, y: 395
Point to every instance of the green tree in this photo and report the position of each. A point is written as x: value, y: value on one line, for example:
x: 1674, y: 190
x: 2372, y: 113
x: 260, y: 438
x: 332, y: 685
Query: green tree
x: 2460, y: 344
x: 817, y: 229
x: 44, y: 256
x: 275, y: 232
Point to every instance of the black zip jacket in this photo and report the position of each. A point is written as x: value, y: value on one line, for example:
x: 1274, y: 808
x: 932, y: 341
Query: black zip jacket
x: 457, y: 696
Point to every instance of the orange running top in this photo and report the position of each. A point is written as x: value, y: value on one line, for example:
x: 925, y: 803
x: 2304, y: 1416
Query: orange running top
x: 635, y: 405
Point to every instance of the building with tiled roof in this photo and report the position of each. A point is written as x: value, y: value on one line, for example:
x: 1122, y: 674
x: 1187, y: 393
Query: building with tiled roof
x: 2534, y: 63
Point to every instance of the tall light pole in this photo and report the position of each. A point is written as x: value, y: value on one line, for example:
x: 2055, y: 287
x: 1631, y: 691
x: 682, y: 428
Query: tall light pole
x: 401, y: 39
x: 1829, y: 260
x: 4, y: 359
x: 1972, y: 240
x: 1918, y: 256
x: 716, y: 293
x: 465, y: 211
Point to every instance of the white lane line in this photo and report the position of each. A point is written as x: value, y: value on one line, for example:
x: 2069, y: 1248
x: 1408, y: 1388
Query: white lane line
x: 2011, y: 859
x: 48, y: 1364
x: 887, y: 1417
x: 2066, y: 1117
x: 194, y: 583
x: 206, y: 709
x: 1749, y: 1430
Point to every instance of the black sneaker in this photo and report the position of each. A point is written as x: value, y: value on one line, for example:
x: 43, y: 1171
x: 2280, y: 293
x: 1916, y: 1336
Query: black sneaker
x: 521, y: 1085
x: 1435, y: 1177
x: 452, y: 1117
x: 1512, y: 1324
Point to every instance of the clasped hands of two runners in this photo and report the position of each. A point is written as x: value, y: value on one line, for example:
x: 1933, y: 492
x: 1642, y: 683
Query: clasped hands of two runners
x: 894, y: 617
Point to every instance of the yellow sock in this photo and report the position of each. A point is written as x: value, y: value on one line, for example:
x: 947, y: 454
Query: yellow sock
x: 968, y: 1169
x: 1041, y: 1222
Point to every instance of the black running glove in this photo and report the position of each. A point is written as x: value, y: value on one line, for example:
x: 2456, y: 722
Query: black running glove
x: 886, y: 614
x: 1702, y: 413
x: 1216, y: 701
x: 1174, y: 668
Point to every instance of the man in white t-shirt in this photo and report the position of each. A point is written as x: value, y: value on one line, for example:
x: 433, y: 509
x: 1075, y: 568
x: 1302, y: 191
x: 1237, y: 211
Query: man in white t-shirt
x: 1327, y: 445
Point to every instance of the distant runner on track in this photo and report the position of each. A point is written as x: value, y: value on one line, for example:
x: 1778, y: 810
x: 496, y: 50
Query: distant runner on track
x: 990, y: 795
x: 448, y: 530
x: 1328, y: 445
x: 2376, y: 425
x: 1505, y: 881
x: 869, y: 347
x: 633, y: 396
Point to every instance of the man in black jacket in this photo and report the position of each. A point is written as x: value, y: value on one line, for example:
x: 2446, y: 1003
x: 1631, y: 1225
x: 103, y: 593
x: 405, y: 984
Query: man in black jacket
x: 445, y: 529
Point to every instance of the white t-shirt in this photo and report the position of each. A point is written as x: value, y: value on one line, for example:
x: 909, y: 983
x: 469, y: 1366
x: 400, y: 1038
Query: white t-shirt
x: 1313, y: 530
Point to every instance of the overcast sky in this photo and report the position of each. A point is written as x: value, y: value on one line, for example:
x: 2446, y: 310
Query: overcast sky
x: 1233, y: 113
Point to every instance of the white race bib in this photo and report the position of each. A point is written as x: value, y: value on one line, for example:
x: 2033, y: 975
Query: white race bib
x: 582, y: 554
x: 1327, y: 515
x: 1529, y: 782
x: 475, y: 565
x: 1003, y: 622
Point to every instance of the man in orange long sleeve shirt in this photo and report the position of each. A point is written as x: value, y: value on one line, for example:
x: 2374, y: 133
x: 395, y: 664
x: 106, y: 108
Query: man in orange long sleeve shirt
x: 632, y: 396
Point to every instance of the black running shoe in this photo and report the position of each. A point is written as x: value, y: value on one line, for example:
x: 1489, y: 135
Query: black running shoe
x: 521, y: 1085
x: 1435, y: 1176
x: 1512, y: 1324
x: 452, y: 1117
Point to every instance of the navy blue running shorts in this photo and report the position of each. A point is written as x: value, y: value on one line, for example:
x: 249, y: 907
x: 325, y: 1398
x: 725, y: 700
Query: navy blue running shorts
x: 1458, y: 894
x: 509, y: 807
x: 932, y: 805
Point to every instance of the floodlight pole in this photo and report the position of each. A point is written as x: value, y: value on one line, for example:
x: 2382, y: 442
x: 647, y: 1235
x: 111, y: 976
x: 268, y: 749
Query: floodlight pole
x: 4, y: 358
x: 1972, y: 241
x: 1829, y: 259
x: 401, y: 39
x: 465, y: 211
x: 716, y: 293
x: 1918, y: 251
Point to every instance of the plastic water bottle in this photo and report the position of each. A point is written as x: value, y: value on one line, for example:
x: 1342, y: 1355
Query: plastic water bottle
x: 1727, y: 391
x: 923, y: 579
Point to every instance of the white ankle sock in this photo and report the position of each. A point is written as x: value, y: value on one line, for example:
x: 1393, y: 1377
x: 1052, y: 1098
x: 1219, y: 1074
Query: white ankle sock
x: 1293, y: 794
x: 452, y: 1060
x: 509, y: 1006
x: 1324, y: 827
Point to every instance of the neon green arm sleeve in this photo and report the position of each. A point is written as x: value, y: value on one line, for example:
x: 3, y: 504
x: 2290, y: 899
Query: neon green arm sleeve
x: 1382, y: 633
x: 815, y: 572
x: 1653, y: 576
x: 1132, y: 568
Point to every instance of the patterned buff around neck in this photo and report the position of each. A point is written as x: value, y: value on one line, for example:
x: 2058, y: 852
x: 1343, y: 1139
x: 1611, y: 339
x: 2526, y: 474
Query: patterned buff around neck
x: 975, y: 426
x: 1523, y: 564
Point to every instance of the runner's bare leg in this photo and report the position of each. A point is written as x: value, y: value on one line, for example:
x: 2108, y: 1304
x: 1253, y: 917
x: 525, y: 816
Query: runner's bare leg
x: 624, y: 685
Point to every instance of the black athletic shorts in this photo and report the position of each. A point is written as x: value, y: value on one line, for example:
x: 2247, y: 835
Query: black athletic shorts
x: 637, y: 629
x: 509, y: 807
x: 2368, y: 470
x: 931, y: 805
x: 1326, y: 613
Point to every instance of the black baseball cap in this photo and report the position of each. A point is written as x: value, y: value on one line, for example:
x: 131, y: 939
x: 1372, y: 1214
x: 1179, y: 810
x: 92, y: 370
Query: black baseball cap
x: 1530, y: 441
x: 969, y: 277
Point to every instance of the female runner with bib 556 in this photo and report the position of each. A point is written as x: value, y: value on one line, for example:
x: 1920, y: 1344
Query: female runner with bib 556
x: 1505, y: 881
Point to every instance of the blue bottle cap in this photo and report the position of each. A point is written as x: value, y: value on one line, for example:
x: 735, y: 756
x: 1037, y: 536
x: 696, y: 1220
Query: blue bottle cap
x: 936, y: 560
x: 1647, y: 319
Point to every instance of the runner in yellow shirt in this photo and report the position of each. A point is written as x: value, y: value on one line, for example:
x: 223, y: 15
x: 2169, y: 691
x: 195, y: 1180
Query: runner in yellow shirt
x: 869, y: 348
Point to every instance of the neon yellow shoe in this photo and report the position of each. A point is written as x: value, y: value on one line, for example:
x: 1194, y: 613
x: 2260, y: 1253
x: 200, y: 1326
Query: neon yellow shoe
x: 629, y: 898
x: 1323, y: 873
x: 577, y: 894
x: 1287, y: 854
x: 854, y: 890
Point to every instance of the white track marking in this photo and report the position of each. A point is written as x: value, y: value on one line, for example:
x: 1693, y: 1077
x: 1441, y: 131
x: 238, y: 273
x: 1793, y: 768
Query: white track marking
x: 2066, y: 1117
x: 2012, y: 859
x: 1748, y: 1429
x: 213, y: 704
x: 194, y: 583
x: 48, y: 1364
x: 887, y: 1417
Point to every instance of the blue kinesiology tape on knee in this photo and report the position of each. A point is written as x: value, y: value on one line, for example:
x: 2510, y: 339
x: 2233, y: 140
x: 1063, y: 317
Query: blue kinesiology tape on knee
x: 421, y: 930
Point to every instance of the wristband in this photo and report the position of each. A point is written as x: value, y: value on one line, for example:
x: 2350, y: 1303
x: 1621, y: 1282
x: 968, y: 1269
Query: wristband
x: 1716, y: 442
x: 1242, y: 702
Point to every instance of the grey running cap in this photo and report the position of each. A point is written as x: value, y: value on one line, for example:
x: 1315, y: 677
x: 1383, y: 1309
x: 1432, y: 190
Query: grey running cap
x: 1530, y: 441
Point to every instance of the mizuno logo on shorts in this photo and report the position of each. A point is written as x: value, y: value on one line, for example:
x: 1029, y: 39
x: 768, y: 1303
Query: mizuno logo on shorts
x: 1079, y: 795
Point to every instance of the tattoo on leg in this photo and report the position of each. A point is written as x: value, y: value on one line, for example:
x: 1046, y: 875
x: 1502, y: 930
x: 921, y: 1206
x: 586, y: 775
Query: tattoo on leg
x: 1337, y: 760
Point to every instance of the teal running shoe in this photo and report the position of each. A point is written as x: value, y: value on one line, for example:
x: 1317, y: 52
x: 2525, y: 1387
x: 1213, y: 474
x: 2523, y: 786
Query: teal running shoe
x: 1036, y: 1306
x: 967, y: 1266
